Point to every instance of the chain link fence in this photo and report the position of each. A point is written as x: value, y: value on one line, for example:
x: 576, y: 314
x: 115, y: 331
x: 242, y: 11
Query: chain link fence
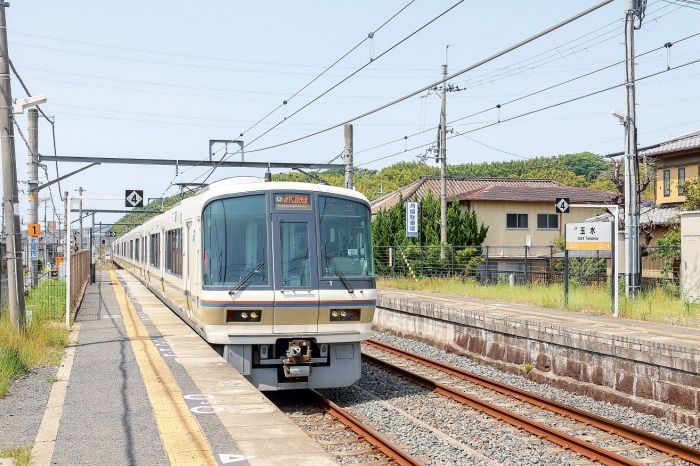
x: 520, y: 265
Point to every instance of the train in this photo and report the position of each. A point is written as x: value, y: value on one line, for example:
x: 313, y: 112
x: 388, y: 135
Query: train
x: 278, y: 277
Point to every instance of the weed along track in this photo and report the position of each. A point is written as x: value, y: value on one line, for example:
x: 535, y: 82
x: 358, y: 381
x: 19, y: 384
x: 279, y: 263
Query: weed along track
x: 568, y: 432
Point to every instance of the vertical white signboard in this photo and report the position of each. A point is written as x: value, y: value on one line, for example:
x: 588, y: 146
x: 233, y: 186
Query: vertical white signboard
x: 412, y: 219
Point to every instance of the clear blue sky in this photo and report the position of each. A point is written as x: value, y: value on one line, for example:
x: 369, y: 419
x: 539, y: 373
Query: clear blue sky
x: 159, y: 79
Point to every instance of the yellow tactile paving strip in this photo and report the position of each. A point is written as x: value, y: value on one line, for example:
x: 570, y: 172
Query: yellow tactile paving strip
x: 182, y: 438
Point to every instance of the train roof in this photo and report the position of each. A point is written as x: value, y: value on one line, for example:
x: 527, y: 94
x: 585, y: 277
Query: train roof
x: 243, y: 184
x: 236, y: 185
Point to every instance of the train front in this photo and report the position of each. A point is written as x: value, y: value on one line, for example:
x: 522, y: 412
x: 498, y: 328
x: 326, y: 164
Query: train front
x: 288, y: 288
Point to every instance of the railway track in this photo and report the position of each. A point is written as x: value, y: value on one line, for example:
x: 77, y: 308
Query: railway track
x: 341, y: 434
x: 533, y: 412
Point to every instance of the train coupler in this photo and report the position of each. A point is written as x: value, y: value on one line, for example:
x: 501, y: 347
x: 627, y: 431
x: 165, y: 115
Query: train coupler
x: 298, y: 361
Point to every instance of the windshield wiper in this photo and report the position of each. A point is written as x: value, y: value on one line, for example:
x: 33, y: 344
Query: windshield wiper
x: 331, y: 260
x: 245, y: 279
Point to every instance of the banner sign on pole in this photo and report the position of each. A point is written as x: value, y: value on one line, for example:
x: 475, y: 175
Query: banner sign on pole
x: 595, y: 236
x: 412, y: 219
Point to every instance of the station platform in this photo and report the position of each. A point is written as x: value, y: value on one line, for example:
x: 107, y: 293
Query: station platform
x: 138, y: 386
x: 651, y: 367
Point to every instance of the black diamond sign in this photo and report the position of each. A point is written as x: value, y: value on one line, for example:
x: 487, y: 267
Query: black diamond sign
x: 134, y: 198
x: 562, y: 205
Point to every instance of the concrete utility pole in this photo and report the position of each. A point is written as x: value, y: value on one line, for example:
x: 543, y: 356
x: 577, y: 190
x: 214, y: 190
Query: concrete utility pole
x: 634, y: 8
x: 33, y: 182
x: 10, y: 197
x: 347, y: 157
x: 443, y: 159
x: 80, y: 233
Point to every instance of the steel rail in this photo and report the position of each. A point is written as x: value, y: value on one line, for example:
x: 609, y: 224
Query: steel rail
x: 669, y: 447
x: 565, y: 441
x: 374, y: 438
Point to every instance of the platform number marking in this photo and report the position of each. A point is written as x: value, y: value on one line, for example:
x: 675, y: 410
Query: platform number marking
x: 34, y: 229
x: 562, y: 204
x: 134, y: 198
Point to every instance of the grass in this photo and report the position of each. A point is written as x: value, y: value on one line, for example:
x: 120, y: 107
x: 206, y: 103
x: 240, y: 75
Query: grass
x: 43, y: 339
x: 20, y: 455
x: 655, y: 305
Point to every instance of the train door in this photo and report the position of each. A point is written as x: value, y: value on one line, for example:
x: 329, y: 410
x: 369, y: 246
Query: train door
x: 188, y: 244
x: 295, y: 273
x: 195, y: 263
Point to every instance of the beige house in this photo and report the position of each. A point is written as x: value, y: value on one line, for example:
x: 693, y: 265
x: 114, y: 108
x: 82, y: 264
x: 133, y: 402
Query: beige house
x: 676, y: 160
x: 518, y: 212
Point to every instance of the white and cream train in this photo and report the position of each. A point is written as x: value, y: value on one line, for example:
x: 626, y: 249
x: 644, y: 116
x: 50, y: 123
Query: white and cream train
x: 277, y: 276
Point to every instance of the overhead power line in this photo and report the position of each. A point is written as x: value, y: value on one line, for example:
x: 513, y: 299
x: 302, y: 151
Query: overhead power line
x: 541, y: 109
x: 286, y: 101
x: 53, y: 127
x: 371, y: 61
x: 444, y: 80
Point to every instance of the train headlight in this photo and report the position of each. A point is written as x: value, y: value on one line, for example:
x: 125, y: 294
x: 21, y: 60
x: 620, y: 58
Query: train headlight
x: 345, y: 315
x: 243, y: 316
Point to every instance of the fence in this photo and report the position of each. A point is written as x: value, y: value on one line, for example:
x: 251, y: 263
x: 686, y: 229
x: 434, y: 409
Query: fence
x: 517, y: 265
x: 79, y: 276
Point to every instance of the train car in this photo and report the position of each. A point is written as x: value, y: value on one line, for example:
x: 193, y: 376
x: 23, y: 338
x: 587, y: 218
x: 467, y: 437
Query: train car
x: 276, y: 276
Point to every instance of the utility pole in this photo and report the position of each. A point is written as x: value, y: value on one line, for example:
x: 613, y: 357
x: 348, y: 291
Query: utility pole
x: 443, y: 159
x: 80, y: 234
x: 634, y: 8
x: 347, y: 158
x: 10, y: 201
x: 33, y: 182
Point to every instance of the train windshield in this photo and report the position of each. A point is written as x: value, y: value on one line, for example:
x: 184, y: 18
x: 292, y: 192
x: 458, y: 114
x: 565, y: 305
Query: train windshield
x: 345, y: 238
x: 234, y: 241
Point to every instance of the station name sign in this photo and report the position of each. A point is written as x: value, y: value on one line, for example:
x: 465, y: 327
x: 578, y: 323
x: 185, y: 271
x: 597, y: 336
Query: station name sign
x: 596, y: 236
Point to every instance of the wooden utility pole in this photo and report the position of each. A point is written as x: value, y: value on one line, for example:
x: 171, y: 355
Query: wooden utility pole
x: 10, y: 197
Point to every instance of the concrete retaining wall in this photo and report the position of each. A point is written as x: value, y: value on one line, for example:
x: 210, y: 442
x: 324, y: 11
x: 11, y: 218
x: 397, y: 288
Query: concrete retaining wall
x: 658, y: 379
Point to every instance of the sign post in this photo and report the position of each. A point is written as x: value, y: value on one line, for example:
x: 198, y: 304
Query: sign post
x: 133, y: 198
x: 592, y: 236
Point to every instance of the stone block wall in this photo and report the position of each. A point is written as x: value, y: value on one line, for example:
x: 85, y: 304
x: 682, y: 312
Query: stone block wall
x: 658, y: 379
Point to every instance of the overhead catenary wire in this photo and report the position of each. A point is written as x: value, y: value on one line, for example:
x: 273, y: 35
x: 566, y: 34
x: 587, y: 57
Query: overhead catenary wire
x: 441, y: 81
x: 541, y: 109
x: 53, y: 127
x: 286, y: 101
x: 501, y: 105
x: 371, y: 61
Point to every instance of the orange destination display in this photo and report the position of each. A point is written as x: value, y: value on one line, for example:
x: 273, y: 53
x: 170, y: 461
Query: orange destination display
x: 292, y: 201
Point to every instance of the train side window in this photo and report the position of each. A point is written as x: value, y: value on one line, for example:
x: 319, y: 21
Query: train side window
x: 154, y: 249
x: 173, y: 251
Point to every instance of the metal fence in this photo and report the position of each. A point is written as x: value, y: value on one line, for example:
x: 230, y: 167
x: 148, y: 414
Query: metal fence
x: 79, y: 277
x: 516, y: 265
